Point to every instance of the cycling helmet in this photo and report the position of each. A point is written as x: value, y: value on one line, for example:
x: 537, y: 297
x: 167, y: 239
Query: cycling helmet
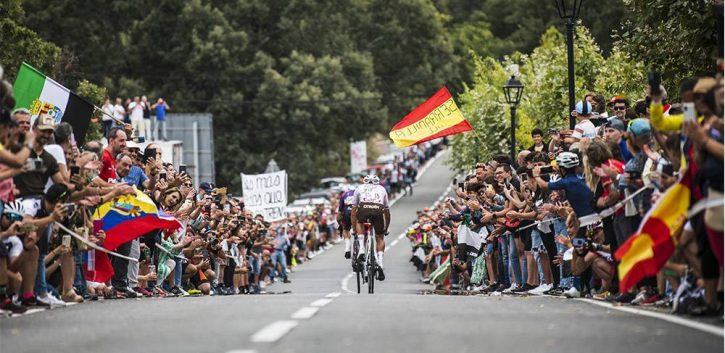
x: 368, y: 179
x: 567, y: 160
x: 375, y: 180
x: 15, y: 207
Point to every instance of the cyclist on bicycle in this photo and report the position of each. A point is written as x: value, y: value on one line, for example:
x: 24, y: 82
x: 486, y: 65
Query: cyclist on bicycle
x: 370, y: 204
x: 344, y: 216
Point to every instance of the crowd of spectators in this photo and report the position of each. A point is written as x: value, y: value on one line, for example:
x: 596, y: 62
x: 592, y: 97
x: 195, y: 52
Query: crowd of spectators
x: 532, y: 214
x: 147, y: 119
x: 50, y: 187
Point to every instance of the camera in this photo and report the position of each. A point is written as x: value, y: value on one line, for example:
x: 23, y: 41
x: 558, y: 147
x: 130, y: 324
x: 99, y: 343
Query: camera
x: 579, y: 242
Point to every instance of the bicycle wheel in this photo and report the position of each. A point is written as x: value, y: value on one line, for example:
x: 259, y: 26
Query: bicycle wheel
x: 372, y: 265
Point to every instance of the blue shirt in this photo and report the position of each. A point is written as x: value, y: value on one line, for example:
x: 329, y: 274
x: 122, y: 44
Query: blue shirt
x: 625, y: 151
x: 578, y: 193
x: 136, y: 177
x: 161, y: 112
x: 346, y: 201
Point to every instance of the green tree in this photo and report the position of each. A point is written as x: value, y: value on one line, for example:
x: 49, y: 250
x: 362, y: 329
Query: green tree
x: 677, y: 38
x: 20, y: 44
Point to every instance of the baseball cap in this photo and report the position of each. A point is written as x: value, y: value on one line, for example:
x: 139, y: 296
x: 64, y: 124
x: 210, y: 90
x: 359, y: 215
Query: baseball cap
x: 583, y: 107
x: 206, y: 186
x: 704, y: 84
x: 132, y: 145
x: 45, y: 122
x: 616, y: 124
x: 639, y: 127
x: 56, y: 193
x: 616, y: 99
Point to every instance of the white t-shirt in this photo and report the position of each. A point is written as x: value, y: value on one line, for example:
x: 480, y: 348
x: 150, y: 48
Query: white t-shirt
x: 57, y: 152
x: 119, y: 111
x: 370, y: 193
x: 136, y: 111
x: 109, y: 109
x: 584, y: 129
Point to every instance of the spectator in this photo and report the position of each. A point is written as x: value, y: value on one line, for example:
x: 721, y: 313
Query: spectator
x: 614, y: 131
x: 135, y: 113
x: 107, y: 117
x: 146, y: 118
x: 538, y: 136
x: 161, y: 108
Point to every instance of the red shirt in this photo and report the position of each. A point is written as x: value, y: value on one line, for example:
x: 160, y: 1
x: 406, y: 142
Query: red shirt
x: 108, y: 170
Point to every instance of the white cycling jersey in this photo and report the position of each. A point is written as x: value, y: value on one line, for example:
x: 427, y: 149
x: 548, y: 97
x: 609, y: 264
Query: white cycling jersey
x: 370, y: 193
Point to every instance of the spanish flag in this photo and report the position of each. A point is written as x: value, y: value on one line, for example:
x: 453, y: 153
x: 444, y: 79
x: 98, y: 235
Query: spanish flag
x: 645, y: 252
x: 437, y: 117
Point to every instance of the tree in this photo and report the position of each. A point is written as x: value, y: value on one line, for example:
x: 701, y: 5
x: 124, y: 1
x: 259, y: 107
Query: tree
x: 677, y: 38
x: 20, y: 44
x: 545, y: 99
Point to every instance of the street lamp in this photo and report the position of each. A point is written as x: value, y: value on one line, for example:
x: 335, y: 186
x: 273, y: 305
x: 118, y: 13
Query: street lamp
x: 569, y: 11
x: 513, y: 89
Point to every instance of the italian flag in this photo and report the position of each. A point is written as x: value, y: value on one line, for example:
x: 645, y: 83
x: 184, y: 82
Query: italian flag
x: 41, y: 95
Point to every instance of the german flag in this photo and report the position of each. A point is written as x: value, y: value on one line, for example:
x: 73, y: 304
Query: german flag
x: 437, y: 117
x: 645, y: 252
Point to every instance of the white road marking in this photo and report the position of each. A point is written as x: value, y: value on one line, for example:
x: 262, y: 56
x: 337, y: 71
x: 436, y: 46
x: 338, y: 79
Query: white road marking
x: 305, y: 313
x: 274, y: 331
x: 321, y: 302
x: 395, y: 242
x: 333, y: 295
x: 343, y: 282
x: 715, y: 330
x: 242, y: 351
x: 401, y: 236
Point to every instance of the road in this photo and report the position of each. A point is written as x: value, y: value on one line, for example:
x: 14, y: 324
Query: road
x: 397, y: 318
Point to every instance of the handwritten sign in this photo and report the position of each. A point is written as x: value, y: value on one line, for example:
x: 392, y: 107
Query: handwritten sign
x: 266, y: 194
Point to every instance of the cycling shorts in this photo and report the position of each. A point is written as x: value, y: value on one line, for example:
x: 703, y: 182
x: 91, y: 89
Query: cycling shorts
x: 373, y: 213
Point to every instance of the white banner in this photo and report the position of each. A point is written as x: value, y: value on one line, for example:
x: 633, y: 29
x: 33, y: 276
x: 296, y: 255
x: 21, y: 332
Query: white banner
x: 266, y: 194
x: 358, y: 156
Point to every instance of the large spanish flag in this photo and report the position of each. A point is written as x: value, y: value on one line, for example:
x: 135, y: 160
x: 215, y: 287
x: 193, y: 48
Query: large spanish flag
x: 437, y: 117
x: 645, y: 252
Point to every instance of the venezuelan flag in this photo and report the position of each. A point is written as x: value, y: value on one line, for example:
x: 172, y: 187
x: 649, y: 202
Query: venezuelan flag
x: 645, y: 252
x: 437, y: 117
x: 124, y: 219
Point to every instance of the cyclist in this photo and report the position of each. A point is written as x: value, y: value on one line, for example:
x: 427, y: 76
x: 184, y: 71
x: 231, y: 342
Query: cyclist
x: 370, y: 203
x: 344, y: 213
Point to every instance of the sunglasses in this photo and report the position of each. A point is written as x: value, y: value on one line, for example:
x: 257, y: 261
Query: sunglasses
x: 619, y: 108
x: 14, y: 217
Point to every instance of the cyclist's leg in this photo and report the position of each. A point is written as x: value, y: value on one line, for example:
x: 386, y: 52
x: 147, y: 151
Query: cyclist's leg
x: 378, y: 224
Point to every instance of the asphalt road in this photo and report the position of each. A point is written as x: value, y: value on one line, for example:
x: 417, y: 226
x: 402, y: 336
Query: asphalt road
x: 397, y: 318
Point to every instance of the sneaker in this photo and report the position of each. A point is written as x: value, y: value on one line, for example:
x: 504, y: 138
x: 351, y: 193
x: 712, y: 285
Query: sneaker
x: 602, y: 295
x: 478, y: 288
x: 176, y: 291
x: 639, y: 298
x: 347, y: 254
x: 572, y: 293
x: 501, y: 287
x: 513, y: 287
x: 9, y: 305
x: 540, y: 289
x: 33, y: 301
x: 491, y: 288
x: 129, y: 293
x: 71, y: 297
x: 381, y: 274
x: 142, y: 291
x: 286, y: 280
x: 652, y: 299
x: 523, y: 289
x: 558, y: 291
x: 52, y: 301
x: 622, y: 298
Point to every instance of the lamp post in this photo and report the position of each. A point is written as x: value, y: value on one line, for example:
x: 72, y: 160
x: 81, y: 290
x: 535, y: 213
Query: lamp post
x: 569, y: 11
x: 513, y: 89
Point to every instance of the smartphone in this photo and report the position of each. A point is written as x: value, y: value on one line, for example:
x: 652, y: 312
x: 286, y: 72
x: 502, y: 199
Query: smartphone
x: 97, y: 225
x: 71, y: 207
x: 66, y: 240
x: 149, y: 153
x: 654, y: 80
x: 507, y: 181
x: 547, y: 169
x: 460, y: 186
x: 182, y: 168
x: 162, y: 175
x: 75, y: 170
x: 688, y: 110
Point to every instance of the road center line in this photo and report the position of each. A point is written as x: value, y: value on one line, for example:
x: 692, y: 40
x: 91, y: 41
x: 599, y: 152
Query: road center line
x: 321, y: 302
x: 333, y: 295
x: 305, y: 313
x: 274, y: 331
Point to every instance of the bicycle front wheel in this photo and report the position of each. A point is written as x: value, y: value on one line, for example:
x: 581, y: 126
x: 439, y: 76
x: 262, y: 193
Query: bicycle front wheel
x: 372, y: 270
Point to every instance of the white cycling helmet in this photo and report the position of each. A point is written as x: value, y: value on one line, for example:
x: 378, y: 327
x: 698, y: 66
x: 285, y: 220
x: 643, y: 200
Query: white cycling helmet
x: 15, y: 207
x: 567, y: 160
x: 371, y: 179
x: 375, y: 180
